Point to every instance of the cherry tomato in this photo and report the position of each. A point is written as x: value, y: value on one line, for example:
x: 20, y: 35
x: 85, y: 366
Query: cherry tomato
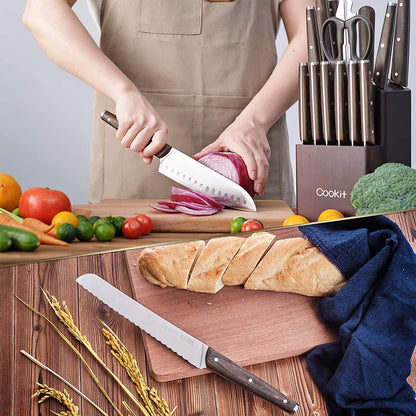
x: 251, y: 225
x: 146, y: 222
x: 43, y: 203
x: 132, y: 228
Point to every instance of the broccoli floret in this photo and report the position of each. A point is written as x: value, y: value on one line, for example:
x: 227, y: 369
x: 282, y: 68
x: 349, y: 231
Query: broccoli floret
x: 391, y: 187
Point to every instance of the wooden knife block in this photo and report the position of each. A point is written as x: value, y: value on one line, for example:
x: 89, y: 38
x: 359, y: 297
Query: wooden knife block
x: 325, y: 176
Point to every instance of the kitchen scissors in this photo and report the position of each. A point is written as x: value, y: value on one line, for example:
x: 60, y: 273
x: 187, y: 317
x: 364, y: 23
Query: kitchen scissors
x: 345, y: 27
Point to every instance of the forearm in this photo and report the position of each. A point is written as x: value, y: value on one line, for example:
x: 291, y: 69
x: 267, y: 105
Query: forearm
x: 67, y: 43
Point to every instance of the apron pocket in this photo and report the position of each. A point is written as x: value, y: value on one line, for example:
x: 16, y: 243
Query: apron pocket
x: 171, y: 17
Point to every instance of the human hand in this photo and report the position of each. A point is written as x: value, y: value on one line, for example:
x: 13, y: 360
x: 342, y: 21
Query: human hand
x: 249, y: 140
x: 138, y: 124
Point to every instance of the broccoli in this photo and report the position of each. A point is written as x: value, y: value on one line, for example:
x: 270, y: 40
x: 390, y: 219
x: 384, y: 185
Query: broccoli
x: 391, y: 187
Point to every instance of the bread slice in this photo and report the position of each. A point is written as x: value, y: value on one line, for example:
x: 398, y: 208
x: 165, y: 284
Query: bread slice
x: 247, y: 258
x: 170, y: 265
x: 295, y: 265
x: 212, y: 263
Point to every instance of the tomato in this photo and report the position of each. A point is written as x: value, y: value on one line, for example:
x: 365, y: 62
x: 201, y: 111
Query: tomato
x: 43, y: 203
x: 251, y: 225
x: 146, y: 222
x: 132, y: 228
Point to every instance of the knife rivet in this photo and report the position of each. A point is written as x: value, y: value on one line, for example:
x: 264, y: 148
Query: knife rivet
x: 284, y: 401
x: 216, y: 359
x: 250, y: 380
x: 398, y: 39
x: 382, y: 45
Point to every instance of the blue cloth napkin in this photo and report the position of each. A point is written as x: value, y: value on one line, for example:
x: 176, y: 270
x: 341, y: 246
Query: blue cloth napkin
x: 365, y: 372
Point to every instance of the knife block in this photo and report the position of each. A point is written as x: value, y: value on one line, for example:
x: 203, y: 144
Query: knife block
x: 392, y: 122
x: 325, y: 176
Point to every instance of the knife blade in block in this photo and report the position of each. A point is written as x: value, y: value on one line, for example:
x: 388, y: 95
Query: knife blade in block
x: 305, y: 133
x: 366, y: 103
x: 400, y: 59
x: 196, y: 176
x: 185, y: 345
x: 383, y: 58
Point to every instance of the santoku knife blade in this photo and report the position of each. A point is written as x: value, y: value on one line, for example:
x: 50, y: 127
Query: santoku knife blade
x: 196, y: 352
x: 196, y: 176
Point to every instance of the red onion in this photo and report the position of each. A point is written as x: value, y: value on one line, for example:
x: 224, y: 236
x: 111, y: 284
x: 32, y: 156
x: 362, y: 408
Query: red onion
x: 230, y: 165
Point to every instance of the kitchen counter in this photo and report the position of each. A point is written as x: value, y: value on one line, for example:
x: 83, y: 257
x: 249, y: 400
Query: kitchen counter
x: 202, y: 395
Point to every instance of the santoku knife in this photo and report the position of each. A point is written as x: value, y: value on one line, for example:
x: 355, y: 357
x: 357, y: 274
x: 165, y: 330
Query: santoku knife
x: 196, y: 176
x: 196, y: 352
x: 400, y: 58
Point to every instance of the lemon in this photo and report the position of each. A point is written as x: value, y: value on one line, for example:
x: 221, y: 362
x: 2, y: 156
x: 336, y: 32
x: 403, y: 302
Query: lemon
x: 330, y: 214
x: 64, y: 217
x: 295, y: 219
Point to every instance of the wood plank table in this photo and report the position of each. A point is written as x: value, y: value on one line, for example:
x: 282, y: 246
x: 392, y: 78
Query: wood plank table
x: 202, y: 395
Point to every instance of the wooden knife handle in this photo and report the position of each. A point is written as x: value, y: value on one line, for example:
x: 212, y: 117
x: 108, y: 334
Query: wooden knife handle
x: 314, y: 50
x: 111, y: 119
x: 363, y: 35
x: 233, y: 372
x: 305, y: 133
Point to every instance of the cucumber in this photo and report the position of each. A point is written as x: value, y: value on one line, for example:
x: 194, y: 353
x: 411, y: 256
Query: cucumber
x: 5, y: 242
x: 21, y: 239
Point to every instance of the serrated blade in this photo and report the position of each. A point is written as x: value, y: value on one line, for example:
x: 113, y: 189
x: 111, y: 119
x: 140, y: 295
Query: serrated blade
x: 200, y: 178
x: 183, y: 344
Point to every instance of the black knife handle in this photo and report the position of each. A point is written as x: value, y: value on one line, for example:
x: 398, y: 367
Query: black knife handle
x: 314, y: 50
x: 233, y: 372
x: 400, y: 59
x: 111, y: 119
x: 383, y: 59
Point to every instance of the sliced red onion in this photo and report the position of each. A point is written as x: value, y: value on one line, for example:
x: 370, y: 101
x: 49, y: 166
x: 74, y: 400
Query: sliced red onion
x: 200, y: 211
x: 165, y: 209
x: 181, y: 194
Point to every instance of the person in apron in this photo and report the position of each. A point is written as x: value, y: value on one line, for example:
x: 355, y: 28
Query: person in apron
x: 200, y: 74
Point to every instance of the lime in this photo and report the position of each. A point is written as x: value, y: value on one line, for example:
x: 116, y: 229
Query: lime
x: 5, y: 242
x: 81, y: 218
x: 236, y: 224
x: 105, y: 231
x: 93, y: 219
x: 85, y: 231
x: 66, y: 232
x: 101, y: 221
x: 118, y: 223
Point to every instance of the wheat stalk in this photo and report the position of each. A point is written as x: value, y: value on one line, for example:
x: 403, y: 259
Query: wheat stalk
x: 45, y: 392
x: 126, y: 359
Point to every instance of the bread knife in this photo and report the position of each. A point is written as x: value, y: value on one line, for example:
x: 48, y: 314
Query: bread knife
x: 314, y: 49
x: 315, y: 100
x: 327, y: 103
x: 366, y: 103
x: 194, y: 175
x: 383, y: 58
x: 353, y: 96
x: 305, y: 133
x: 400, y: 59
x: 185, y: 345
x: 340, y: 107
x: 363, y: 35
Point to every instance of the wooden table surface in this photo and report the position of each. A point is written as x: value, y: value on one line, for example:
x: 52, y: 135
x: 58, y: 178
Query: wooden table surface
x: 209, y: 394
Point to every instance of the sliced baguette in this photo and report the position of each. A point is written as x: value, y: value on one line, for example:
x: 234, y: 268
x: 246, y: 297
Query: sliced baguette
x: 247, y: 258
x: 295, y: 265
x: 170, y: 265
x: 212, y: 263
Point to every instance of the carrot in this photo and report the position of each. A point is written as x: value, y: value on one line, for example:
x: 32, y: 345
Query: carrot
x: 43, y: 237
x: 52, y: 232
x: 37, y: 224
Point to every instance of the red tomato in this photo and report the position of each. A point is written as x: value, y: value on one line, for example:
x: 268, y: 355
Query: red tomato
x: 132, y: 228
x: 251, y: 225
x: 43, y: 203
x: 146, y: 223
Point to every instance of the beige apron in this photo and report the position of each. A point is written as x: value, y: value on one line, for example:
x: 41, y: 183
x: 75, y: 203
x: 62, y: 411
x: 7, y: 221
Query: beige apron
x: 198, y: 63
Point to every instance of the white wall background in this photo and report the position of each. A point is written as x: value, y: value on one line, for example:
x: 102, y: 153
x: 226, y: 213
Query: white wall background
x: 45, y: 113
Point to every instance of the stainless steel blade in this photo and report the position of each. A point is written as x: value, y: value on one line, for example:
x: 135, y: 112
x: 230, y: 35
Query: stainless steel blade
x: 198, y: 177
x: 183, y: 344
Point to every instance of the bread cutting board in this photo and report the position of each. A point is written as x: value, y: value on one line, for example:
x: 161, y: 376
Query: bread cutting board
x: 248, y: 326
x: 270, y: 213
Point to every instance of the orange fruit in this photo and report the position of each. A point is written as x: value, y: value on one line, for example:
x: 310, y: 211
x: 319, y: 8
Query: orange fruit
x: 64, y: 217
x: 295, y: 219
x: 330, y: 214
x: 10, y: 192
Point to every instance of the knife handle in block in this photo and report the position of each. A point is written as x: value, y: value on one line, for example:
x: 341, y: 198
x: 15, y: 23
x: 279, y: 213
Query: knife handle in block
x: 305, y: 133
x: 233, y: 372
x: 383, y: 58
x: 315, y: 101
x: 366, y: 103
x: 327, y: 103
x: 340, y: 77
x: 353, y: 100
x: 111, y: 119
x: 400, y: 60
x: 321, y: 16
x: 363, y: 35
x: 314, y: 50
x: 332, y: 10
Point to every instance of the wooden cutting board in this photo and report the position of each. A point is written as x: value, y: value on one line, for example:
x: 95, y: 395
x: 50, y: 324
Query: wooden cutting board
x: 248, y: 326
x: 271, y: 213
